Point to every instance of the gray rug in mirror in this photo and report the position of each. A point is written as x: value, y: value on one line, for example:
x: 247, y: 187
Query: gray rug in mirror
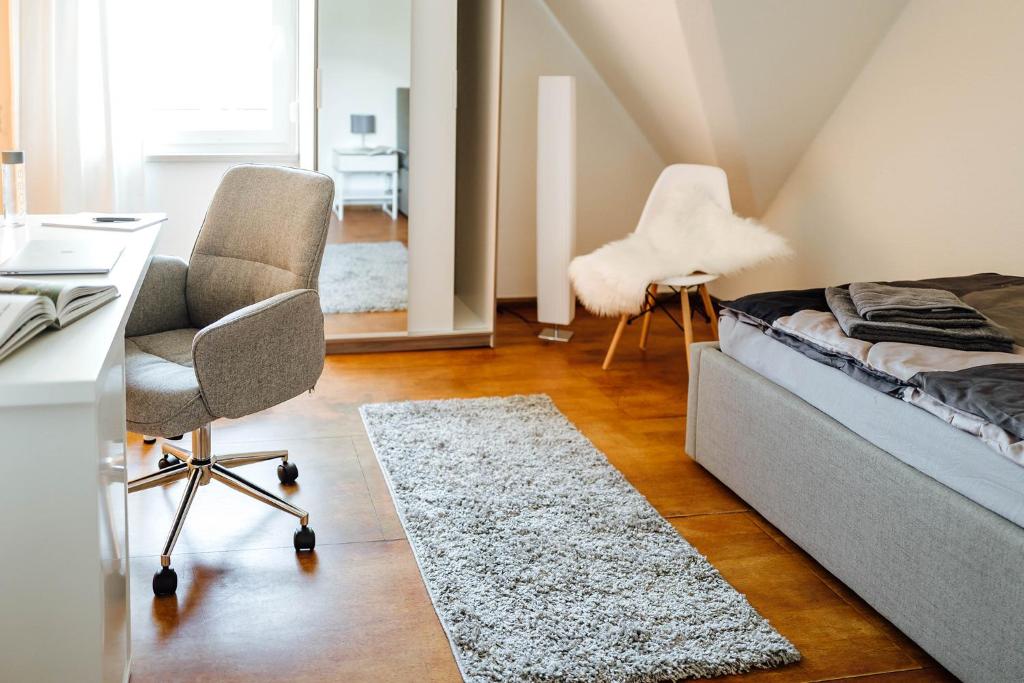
x: 543, y: 562
x: 362, y: 277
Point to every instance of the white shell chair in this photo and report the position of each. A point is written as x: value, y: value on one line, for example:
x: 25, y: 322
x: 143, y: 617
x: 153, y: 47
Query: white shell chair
x: 712, y: 179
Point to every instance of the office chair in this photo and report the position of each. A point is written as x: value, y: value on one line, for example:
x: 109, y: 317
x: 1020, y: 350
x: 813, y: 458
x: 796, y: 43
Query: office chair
x: 236, y: 330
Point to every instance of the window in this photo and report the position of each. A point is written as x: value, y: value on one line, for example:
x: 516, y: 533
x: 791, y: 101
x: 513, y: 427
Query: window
x: 220, y: 77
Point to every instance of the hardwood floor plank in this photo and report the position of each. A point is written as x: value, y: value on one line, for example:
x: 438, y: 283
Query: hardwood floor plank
x: 834, y: 638
x: 927, y: 675
x: 331, y: 487
x: 839, y: 588
x: 356, y: 612
x: 380, y: 495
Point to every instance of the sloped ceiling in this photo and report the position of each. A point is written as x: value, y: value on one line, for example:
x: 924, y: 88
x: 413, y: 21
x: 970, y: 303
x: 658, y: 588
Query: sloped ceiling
x: 639, y: 49
x: 742, y: 84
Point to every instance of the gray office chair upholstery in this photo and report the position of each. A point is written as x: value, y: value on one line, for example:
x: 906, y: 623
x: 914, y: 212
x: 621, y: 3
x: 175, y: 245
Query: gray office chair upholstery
x: 236, y: 330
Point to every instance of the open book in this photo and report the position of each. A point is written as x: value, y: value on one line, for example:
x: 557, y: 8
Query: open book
x: 27, y: 307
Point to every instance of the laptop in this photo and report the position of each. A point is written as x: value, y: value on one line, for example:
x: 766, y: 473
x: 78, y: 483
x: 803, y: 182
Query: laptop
x: 62, y: 257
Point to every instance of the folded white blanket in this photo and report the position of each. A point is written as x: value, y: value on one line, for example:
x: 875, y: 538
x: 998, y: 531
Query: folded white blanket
x: 688, y: 233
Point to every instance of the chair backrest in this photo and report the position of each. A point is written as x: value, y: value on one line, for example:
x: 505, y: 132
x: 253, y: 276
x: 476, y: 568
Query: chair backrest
x: 263, y: 234
x: 711, y: 178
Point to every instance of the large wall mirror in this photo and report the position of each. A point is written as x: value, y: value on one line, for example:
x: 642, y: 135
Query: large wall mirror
x: 403, y: 107
x: 363, y: 56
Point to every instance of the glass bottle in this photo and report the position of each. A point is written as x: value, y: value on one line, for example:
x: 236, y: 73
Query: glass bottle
x: 15, y: 205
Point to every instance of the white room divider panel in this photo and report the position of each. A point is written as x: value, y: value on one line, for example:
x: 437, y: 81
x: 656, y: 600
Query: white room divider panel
x: 476, y: 173
x: 432, y: 102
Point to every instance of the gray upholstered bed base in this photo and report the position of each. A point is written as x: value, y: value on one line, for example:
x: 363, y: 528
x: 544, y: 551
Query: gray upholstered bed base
x: 946, y: 571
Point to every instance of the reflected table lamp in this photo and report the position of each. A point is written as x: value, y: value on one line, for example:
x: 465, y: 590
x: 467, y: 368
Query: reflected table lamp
x: 364, y: 124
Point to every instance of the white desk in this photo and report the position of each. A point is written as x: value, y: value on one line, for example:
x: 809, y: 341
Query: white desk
x: 63, y: 529
x: 353, y: 165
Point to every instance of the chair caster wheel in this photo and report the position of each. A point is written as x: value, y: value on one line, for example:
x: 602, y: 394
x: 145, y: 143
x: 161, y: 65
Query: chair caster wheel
x: 287, y: 472
x: 165, y: 582
x: 165, y: 462
x: 304, y: 539
x: 149, y: 440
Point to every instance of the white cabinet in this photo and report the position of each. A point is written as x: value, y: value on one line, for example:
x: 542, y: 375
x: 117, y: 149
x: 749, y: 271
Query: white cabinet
x: 64, y: 537
x: 454, y: 168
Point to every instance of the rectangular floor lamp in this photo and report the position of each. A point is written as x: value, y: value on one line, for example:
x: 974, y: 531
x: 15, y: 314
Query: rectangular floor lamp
x: 556, y: 203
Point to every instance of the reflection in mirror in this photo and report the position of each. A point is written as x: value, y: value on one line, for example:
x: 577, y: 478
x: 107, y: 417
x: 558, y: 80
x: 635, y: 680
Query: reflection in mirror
x: 363, y: 143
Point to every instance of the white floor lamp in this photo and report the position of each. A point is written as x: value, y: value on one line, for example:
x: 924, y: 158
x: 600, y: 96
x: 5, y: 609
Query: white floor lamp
x: 556, y: 203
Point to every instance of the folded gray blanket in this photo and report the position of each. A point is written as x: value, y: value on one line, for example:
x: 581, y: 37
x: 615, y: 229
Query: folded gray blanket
x: 917, y: 306
x: 1004, y: 306
x: 988, y: 337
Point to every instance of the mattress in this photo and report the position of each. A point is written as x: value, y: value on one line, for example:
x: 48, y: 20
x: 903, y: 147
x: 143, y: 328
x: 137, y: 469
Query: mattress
x: 952, y: 457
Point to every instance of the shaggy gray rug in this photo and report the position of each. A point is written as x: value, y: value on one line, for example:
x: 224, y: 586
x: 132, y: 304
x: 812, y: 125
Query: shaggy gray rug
x: 544, y: 563
x: 360, y: 277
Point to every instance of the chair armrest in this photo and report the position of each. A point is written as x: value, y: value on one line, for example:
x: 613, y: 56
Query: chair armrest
x: 261, y: 355
x: 160, y: 305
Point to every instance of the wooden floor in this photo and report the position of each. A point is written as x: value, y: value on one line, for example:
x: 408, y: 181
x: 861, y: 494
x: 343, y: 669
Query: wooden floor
x: 366, y: 224
x: 249, y: 609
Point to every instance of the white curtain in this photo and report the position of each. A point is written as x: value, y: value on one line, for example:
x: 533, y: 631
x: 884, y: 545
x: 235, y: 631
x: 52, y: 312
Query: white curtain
x: 79, y: 119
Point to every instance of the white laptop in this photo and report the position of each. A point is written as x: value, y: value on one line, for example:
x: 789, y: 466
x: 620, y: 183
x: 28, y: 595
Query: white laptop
x: 62, y: 257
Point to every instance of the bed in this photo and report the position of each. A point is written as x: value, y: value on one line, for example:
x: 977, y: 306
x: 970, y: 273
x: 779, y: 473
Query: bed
x: 921, y: 519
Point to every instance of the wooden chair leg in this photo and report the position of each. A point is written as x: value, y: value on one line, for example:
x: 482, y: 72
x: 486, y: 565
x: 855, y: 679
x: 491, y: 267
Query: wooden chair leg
x: 646, y: 327
x: 706, y: 298
x: 615, y: 341
x: 687, y: 325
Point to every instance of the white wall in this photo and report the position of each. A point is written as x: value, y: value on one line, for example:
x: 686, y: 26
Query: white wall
x: 919, y: 171
x: 363, y: 58
x: 771, y: 72
x: 183, y: 190
x: 617, y: 165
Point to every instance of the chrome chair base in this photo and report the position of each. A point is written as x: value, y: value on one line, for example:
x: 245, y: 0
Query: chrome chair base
x: 200, y: 466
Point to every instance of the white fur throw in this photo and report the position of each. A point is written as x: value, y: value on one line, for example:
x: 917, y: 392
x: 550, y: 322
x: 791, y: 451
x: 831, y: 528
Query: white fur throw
x: 687, y: 232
